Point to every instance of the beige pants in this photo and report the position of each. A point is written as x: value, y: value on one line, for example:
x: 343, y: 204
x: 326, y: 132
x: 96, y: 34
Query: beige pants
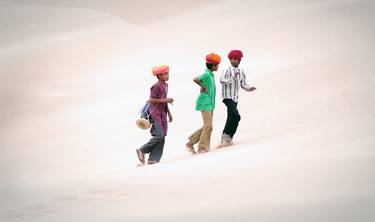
x: 203, y: 135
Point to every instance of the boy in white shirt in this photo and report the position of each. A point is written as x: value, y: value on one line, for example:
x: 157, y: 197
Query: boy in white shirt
x: 231, y: 80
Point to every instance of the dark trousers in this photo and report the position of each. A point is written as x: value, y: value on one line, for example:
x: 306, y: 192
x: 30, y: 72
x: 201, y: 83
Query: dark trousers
x: 233, y: 117
x: 155, y: 145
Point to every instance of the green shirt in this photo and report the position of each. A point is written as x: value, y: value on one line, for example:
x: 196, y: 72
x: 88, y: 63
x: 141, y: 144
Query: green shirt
x: 206, y: 101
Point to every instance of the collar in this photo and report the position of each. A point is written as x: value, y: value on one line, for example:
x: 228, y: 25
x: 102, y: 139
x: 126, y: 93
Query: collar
x: 209, y: 71
x: 162, y: 82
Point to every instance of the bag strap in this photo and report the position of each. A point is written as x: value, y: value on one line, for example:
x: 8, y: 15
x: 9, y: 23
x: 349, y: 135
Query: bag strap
x: 165, y: 92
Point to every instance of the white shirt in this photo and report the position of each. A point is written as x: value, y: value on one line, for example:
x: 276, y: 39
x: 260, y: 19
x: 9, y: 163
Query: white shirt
x: 231, y: 79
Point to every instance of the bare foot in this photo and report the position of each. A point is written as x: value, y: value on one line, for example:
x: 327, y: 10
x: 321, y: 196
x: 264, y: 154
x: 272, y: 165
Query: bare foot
x: 190, y: 148
x: 202, y: 150
x: 150, y: 162
x: 141, y: 156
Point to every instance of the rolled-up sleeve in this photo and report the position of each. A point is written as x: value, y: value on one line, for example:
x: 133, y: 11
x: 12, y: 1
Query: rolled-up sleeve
x: 155, y: 92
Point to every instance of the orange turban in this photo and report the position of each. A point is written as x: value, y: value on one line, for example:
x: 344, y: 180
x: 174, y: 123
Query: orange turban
x: 213, y: 58
x: 160, y: 70
x: 235, y: 54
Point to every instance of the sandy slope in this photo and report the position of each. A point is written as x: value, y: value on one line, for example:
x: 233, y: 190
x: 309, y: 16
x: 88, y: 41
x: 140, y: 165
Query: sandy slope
x: 139, y: 12
x: 312, y: 162
x: 304, y: 149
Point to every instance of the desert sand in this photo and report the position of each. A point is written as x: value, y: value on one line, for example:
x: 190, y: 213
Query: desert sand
x: 73, y: 76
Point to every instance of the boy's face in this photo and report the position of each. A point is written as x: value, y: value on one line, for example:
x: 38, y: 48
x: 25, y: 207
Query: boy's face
x: 164, y: 77
x: 215, y: 67
x: 235, y: 61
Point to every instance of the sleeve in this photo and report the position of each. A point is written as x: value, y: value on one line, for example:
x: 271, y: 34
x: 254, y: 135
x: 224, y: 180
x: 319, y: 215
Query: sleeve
x: 226, y: 78
x: 155, y: 92
x: 243, y: 81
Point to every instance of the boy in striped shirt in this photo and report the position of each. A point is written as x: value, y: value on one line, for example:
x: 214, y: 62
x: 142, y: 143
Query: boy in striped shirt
x: 231, y: 80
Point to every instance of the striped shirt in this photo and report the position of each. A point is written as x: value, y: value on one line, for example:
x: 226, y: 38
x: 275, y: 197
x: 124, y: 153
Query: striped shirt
x: 231, y: 80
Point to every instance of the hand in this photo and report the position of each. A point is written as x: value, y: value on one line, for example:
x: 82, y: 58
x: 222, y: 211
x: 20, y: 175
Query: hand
x: 203, y: 90
x: 169, y: 100
x: 251, y: 89
x: 170, y: 117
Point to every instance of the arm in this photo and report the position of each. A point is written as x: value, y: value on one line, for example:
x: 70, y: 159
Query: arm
x: 226, y: 78
x: 169, y: 114
x: 244, y: 84
x: 167, y: 100
x: 157, y: 92
x: 197, y: 81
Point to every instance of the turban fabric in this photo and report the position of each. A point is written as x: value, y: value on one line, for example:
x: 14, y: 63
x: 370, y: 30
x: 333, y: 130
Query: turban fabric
x: 235, y: 54
x: 213, y: 58
x: 160, y: 70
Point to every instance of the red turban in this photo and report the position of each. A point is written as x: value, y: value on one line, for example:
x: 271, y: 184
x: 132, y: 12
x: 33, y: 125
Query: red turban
x: 160, y: 70
x: 213, y: 58
x: 235, y: 54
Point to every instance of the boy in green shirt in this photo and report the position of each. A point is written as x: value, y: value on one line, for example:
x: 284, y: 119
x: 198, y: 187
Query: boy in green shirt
x: 206, y: 104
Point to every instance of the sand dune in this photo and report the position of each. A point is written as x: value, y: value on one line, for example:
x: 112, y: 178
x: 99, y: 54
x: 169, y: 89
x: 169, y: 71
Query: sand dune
x: 139, y: 12
x: 304, y: 149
